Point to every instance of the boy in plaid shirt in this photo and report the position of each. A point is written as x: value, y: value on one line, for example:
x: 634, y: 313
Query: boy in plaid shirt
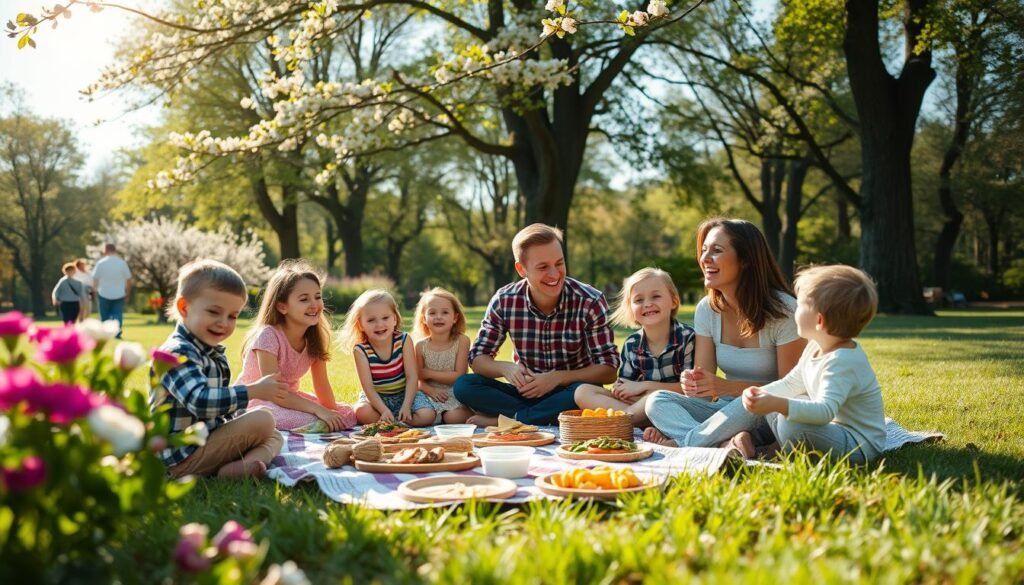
x: 559, y: 327
x: 240, y: 444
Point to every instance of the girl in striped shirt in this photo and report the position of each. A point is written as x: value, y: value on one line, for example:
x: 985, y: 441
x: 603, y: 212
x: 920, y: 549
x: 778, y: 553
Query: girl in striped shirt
x: 389, y: 383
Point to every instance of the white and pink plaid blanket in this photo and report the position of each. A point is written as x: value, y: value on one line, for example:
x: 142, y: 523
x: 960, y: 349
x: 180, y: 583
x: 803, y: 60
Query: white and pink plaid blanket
x: 301, y: 460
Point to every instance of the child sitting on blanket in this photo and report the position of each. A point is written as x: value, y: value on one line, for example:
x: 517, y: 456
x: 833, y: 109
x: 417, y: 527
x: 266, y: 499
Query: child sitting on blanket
x: 210, y: 296
x: 442, y: 353
x: 654, y: 357
x: 291, y: 336
x: 831, y: 401
x: 389, y: 382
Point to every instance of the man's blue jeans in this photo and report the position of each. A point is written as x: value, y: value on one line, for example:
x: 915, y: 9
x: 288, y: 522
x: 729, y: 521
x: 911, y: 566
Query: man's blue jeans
x: 113, y: 309
x: 492, y: 397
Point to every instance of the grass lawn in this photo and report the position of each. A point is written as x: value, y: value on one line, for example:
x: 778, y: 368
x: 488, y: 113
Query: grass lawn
x: 949, y: 512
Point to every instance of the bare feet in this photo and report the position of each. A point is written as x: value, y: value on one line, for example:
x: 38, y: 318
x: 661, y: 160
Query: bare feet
x: 482, y: 420
x: 768, y: 452
x: 241, y: 469
x: 743, y: 443
x: 653, y: 435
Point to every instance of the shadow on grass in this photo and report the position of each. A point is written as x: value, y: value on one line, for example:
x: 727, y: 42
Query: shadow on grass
x: 958, y: 463
x: 975, y: 325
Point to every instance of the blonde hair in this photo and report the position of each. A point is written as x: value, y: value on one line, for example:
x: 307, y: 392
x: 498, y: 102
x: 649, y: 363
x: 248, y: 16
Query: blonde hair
x: 68, y: 266
x: 844, y: 295
x: 419, y: 318
x: 536, y: 234
x: 199, y: 275
x: 351, y: 333
x: 623, y: 315
x: 288, y: 274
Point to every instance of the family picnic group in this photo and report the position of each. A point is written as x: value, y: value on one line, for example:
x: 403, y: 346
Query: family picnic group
x: 793, y: 373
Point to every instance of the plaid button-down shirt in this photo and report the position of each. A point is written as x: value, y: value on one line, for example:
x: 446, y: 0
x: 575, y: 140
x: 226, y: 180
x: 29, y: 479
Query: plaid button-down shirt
x: 575, y: 335
x: 639, y: 365
x: 197, y: 390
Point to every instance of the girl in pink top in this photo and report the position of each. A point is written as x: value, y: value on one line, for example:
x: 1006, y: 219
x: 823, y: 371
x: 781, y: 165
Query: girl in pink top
x: 290, y: 337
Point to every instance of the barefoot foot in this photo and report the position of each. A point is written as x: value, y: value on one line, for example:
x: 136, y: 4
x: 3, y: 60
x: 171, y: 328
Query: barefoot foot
x: 482, y: 420
x: 743, y: 443
x: 653, y: 435
x: 241, y: 469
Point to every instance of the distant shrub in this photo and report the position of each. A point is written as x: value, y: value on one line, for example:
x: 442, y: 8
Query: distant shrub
x: 339, y: 294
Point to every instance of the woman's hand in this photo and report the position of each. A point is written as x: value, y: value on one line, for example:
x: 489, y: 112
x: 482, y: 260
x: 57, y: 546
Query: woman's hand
x: 698, y: 383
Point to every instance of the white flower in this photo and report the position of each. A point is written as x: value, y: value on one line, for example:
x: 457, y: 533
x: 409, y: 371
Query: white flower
x: 550, y: 27
x: 638, y: 18
x: 569, y: 25
x: 553, y: 5
x: 287, y: 574
x: 5, y: 425
x: 104, y: 331
x: 247, y: 104
x: 199, y: 433
x: 657, y: 9
x: 121, y: 429
x: 129, y: 355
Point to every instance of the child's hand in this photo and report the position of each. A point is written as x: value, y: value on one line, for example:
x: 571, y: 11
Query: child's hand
x: 334, y: 420
x: 386, y: 415
x: 627, y: 390
x: 435, y: 394
x: 269, y: 388
x: 405, y: 414
x: 757, y: 401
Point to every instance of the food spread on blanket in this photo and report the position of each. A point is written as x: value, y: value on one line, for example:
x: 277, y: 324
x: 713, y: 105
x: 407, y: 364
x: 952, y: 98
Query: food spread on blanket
x: 509, y: 429
x: 598, y: 478
x: 457, y: 491
x: 419, y: 455
x: 602, y: 445
x: 384, y: 429
x: 591, y: 412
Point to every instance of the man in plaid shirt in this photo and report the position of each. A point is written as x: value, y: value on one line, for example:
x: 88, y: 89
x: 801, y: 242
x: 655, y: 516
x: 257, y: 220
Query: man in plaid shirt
x: 209, y: 299
x: 560, y: 333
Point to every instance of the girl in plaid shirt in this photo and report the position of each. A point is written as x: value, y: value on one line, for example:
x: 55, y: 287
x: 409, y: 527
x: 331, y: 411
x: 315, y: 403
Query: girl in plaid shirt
x: 654, y: 357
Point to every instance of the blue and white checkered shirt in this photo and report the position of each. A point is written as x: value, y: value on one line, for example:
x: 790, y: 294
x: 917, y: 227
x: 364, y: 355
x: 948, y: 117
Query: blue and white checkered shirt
x: 639, y: 365
x: 196, y: 390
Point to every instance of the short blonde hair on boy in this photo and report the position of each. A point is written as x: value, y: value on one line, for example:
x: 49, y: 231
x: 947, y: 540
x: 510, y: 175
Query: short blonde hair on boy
x: 623, y: 315
x: 844, y: 295
x: 199, y: 275
x: 419, y: 318
x: 536, y: 234
x: 351, y: 333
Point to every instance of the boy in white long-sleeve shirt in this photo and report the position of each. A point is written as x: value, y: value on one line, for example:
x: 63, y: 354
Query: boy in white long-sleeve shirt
x: 831, y: 401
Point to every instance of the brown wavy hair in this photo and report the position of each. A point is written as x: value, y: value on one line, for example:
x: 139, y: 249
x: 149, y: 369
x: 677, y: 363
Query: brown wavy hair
x: 760, y: 276
x: 283, y: 281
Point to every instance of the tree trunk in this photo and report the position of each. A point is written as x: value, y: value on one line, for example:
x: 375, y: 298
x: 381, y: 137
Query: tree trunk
x: 964, y: 84
x: 285, y: 223
x: 332, y: 243
x: 842, y: 216
x: 772, y: 177
x: 36, y: 290
x: 794, y: 202
x: 993, y: 220
x: 887, y: 108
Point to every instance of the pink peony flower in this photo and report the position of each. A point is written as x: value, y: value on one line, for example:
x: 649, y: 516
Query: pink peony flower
x: 64, y: 402
x: 63, y: 345
x: 231, y: 532
x: 165, y: 361
x: 190, y: 554
x: 31, y: 474
x: 14, y: 324
x: 17, y: 385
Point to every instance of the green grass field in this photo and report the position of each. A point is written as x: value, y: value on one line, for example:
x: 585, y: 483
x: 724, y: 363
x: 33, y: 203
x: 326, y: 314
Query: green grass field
x: 946, y: 512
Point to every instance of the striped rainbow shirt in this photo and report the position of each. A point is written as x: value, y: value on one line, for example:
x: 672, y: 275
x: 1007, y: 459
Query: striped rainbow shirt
x: 388, y: 376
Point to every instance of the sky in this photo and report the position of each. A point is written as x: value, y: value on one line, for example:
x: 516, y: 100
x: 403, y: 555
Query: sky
x: 67, y: 60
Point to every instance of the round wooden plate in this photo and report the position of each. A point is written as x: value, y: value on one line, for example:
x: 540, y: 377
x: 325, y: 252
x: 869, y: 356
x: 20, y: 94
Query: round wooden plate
x: 452, y: 462
x: 428, y: 490
x: 640, y: 453
x: 360, y: 436
x: 543, y: 439
x: 544, y: 483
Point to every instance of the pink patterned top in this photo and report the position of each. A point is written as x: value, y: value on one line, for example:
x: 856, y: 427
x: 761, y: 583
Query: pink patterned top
x: 292, y: 365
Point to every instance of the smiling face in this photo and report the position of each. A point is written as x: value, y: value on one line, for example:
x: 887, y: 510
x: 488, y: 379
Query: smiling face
x: 651, y: 302
x: 304, y: 304
x: 718, y: 261
x: 378, y: 322
x: 543, y: 267
x: 439, y: 316
x: 211, y: 315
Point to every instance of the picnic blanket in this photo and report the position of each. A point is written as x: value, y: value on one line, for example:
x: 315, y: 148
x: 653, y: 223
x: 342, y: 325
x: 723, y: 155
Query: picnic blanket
x: 301, y: 456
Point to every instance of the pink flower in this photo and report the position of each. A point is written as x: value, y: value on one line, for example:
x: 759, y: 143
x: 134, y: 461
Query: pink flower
x: 64, y: 402
x: 189, y: 554
x: 31, y: 474
x: 17, y: 385
x: 63, y: 345
x: 165, y: 361
x: 14, y: 324
x: 231, y: 532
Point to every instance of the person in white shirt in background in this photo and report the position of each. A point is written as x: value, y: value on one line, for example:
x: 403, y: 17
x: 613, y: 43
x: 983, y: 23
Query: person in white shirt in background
x: 83, y: 276
x: 831, y: 402
x: 113, y: 281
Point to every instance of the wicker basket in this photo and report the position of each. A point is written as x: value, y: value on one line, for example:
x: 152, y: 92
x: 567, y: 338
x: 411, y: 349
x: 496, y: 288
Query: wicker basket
x: 574, y: 427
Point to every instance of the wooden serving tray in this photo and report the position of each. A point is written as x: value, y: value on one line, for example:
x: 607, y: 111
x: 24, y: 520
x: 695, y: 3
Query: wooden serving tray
x: 543, y: 439
x: 544, y: 484
x: 640, y: 453
x: 452, y: 462
x: 360, y: 436
x: 429, y: 490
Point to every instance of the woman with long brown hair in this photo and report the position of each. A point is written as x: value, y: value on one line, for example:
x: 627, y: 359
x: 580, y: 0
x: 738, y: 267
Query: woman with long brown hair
x: 744, y: 327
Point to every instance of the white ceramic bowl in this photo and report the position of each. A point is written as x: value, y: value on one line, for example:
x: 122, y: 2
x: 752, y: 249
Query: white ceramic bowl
x: 509, y: 461
x: 449, y: 431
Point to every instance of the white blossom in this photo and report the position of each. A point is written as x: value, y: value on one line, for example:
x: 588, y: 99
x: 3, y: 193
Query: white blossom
x: 657, y: 9
x: 99, y: 331
x: 285, y: 574
x: 122, y: 430
x: 553, y: 5
x: 129, y: 355
x: 569, y: 25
